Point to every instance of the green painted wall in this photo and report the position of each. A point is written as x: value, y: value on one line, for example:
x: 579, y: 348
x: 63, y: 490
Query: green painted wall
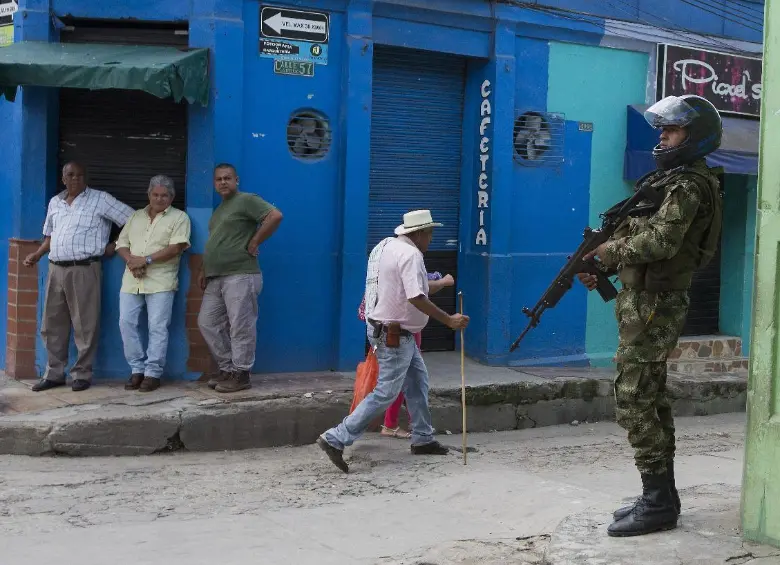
x: 761, y: 476
x: 751, y: 194
x: 596, y: 84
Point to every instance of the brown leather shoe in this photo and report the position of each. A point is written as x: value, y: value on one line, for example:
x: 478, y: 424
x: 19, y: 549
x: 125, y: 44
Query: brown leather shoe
x: 220, y: 377
x: 134, y: 382
x: 238, y: 381
x: 149, y: 384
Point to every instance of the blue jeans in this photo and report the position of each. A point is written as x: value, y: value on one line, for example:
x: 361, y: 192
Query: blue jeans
x: 400, y: 368
x: 159, y: 307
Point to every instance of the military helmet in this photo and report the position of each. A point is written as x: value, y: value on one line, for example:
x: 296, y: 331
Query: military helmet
x: 700, y: 120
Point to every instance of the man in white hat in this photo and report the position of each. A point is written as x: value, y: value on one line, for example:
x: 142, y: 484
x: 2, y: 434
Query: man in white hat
x: 397, y: 306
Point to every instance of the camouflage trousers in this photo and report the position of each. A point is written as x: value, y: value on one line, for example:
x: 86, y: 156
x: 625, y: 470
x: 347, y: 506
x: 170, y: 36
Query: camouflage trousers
x: 649, y: 325
x: 644, y: 411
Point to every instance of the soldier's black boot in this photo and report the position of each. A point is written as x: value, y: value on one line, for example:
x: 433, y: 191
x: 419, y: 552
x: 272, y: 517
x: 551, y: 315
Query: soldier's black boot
x: 673, y: 487
x: 626, y: 510
x: 654, y: 511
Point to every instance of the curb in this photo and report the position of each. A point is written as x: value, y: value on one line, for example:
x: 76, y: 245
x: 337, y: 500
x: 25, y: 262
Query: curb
x: 185, y: 424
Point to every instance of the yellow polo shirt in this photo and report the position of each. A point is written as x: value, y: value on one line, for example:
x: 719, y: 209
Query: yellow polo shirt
x: 144, y: 236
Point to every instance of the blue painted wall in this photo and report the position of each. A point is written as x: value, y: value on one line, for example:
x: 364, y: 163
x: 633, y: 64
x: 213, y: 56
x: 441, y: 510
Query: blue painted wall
x: 315, y: 265
x: 606, y: 81
x: 549, y: 211
x: 742, y: 19
x: 298, y: 308
x: 9, y: 125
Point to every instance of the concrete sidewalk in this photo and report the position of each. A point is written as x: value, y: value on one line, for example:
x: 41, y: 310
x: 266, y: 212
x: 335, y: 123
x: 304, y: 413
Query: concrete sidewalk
x: 708, y: 532
x: 292, y: 409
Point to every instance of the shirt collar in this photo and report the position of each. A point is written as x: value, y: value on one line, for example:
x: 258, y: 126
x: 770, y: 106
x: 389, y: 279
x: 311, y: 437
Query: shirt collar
x: 64, y: 194
x: 164, y: 212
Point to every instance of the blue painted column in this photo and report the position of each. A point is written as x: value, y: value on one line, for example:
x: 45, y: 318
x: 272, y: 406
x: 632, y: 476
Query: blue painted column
x: 503, y: 69
x: 215, y: 131
x: 214, y: 136
x: 38, y: 178
x: 484, y: 265
x: 357, y: 159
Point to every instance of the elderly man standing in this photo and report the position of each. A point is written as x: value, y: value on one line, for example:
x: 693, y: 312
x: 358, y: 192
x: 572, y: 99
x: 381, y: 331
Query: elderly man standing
x: 76, y: 233
x: 151, y: 244
x: 397, y: 307
x: 232, y: 280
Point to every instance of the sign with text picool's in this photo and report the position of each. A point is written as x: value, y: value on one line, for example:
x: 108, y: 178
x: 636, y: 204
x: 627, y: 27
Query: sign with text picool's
x: 731, y: 82
x: 483, y: 158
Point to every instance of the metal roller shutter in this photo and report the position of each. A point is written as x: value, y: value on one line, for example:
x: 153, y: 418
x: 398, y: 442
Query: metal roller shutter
x: 416, y: 135
x: 704, y: 311
x: 124, y: 137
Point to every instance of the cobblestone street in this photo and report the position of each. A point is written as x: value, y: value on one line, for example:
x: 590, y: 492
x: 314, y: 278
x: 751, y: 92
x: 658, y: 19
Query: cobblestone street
x: 289, y: 505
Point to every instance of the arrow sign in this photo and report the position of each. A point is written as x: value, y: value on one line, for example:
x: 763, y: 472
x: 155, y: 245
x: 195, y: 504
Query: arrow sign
x: 279, y: 23
x: 295, y: 25
x: 8, y: 9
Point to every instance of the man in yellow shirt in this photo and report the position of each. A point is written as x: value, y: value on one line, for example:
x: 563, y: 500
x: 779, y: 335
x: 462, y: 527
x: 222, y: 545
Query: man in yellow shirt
x: 151, y: 244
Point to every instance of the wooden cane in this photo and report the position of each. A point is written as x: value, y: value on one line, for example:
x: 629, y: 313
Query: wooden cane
x: 463, y: 377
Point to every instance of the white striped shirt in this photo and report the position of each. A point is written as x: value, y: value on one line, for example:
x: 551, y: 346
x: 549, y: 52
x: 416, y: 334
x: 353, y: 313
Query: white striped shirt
x: 81, y: 230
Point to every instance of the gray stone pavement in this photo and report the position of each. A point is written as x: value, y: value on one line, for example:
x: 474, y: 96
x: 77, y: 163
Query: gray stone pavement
x: 523, y: 499
x: 292, y: 409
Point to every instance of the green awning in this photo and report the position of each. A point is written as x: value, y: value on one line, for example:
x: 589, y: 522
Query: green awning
x: 161, y: 71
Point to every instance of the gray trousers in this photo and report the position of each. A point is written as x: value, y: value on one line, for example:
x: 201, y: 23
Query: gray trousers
x: 228, y: 320
x: 72, y: 299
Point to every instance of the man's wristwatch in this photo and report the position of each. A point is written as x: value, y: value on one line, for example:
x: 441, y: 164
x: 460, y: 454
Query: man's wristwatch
x: 148, y: 259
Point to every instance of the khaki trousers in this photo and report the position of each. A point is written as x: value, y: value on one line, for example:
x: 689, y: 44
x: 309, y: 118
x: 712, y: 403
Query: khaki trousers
x: 72, y: 299
x: 228, y: 320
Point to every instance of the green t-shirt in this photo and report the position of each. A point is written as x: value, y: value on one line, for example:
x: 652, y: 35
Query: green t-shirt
x: 231, y: 226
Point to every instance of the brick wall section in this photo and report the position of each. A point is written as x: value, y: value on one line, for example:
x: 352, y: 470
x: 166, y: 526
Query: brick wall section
x: 200, y: 359
x: 22, y: 311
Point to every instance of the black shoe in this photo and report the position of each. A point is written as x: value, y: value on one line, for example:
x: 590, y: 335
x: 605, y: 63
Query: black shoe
x: 44, y: 384
x: 672, y: 486
x: 335, y: 455
x: 79, y: 385
x: 433, y: 448
x: 134, y: 382
x: 653, y: 512
x: 626, y: 510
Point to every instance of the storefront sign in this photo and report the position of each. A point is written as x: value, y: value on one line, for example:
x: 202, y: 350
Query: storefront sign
x: 483, y: 187
x: 295, y: 68
x: 732, y: 83
x: 294, y: 35
x: 7, y: 10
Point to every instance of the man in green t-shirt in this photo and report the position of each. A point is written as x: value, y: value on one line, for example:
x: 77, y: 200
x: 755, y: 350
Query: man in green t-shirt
x: 231, y: 279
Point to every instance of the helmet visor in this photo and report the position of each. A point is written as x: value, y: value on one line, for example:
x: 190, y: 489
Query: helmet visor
x: 671, y: 111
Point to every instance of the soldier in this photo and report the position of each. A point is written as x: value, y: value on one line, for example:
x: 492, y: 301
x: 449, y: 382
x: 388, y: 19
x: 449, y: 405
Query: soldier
x: 655, y: 257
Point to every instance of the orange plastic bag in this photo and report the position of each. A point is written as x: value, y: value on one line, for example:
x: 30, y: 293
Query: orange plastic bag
x: 365, y: 381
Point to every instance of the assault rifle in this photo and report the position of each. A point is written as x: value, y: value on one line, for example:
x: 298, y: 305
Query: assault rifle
x: 646, y: 200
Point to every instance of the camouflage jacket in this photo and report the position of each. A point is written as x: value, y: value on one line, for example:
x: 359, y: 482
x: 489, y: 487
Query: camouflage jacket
x: 661, y: 252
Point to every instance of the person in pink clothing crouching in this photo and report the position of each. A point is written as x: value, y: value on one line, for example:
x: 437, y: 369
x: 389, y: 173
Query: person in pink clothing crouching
x: 391, y: 428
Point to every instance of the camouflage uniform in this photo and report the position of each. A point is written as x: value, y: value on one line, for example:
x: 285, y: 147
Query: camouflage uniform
x: 655, y: 257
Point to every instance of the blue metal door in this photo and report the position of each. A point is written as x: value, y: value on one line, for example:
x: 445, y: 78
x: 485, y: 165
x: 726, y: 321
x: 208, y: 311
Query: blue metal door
x: 416, y: 142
